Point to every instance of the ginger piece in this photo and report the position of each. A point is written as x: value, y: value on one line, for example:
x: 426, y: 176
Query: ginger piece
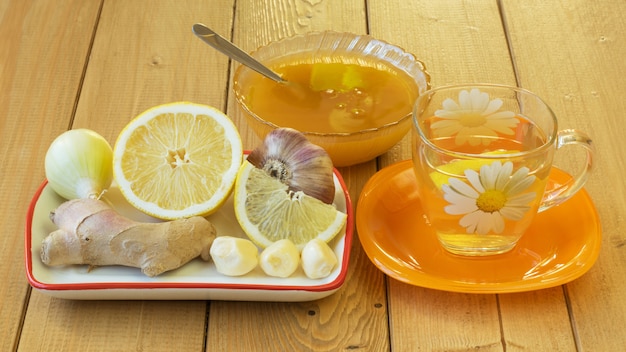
x: 90, y: 232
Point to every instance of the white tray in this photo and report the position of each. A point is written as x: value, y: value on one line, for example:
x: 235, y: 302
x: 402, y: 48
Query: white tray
x: 197, y: 280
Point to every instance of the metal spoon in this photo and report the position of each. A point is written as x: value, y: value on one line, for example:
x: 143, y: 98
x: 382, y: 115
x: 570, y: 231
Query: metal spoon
x: 224, y: 46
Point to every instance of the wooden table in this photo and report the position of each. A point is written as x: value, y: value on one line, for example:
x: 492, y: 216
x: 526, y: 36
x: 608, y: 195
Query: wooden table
x: 97, y: 63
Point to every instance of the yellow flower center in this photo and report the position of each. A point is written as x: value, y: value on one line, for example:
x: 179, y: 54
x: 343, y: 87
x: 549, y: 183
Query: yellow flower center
x: 472, y: 120
x: 491, y: 200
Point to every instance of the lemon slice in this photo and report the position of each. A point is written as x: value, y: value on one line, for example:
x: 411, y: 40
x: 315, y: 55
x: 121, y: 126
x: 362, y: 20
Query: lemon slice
x: 177, y: 160
x: 267, y: 211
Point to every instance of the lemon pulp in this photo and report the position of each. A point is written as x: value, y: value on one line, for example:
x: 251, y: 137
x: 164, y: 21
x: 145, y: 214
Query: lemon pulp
x: 177, y: 160
x: 267, y: 211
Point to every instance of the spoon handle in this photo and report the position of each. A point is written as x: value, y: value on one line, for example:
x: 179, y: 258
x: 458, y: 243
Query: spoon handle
x: 221, y: 44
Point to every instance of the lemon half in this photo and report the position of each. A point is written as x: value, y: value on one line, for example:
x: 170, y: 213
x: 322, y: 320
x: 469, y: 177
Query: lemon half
x: 267, y: 211
x: 177, y: 160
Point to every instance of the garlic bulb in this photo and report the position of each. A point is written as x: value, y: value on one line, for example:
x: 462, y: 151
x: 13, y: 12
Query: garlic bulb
x: 234, y: 256
x: 318, y: 259
x: 280, y: 259
x: 79, y: 164
x: 288, y: 156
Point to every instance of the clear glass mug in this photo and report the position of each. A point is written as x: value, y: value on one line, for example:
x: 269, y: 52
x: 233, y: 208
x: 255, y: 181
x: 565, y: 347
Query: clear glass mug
x: 482, y: 156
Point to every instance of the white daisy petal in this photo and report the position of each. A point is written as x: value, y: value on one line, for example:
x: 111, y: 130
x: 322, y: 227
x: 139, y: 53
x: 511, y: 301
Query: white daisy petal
x: 504, y: 175
x: 508, y: 116
x: 474, y: 141
x: 462, y: 188
x: 488, y: 222
x: 522, y: 199
x: 521, y: 186
x: 478, y: 100
x: 500, y: 129
x: 450, y: 105
x: 489, y: 174
x: 444, y: 123
x: 450, y: 194
x: 493, y: 106
x: 455, y: 198
x: 482, y: 224
x: 459, y: 203
x: 446, y: 114
x: 446, y: 128
x: 465, y: 101
x: 520, y: 174
x: 461, y: 138
x: 498, y: 222
x: 474, y: 180
x: 500, y: 124
x: 514, y: 213
x: 482, y: 131
x: 460, y: 208
x: 470, y: 221
x: 519, y: 182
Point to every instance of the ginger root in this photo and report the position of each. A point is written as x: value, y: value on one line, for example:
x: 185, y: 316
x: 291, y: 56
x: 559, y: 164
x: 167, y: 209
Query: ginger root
x: 90, y: 232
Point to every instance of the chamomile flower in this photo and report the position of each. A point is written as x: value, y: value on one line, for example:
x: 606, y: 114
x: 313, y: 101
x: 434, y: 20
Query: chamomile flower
x: 494, y: 194
x: 472, y: 117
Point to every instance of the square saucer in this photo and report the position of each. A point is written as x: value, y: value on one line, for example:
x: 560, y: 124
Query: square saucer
x: 562, y: 243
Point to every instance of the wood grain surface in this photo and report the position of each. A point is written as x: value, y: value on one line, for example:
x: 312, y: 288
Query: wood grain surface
x: 98, y: 63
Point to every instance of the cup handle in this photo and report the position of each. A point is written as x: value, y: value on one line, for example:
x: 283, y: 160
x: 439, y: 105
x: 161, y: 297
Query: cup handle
x: 563, y: 192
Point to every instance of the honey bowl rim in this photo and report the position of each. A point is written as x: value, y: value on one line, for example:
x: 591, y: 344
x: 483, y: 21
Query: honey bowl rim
x: 336, y: 36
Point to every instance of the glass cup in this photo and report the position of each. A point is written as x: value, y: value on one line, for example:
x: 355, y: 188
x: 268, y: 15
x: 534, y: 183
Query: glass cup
x: 482, y: 156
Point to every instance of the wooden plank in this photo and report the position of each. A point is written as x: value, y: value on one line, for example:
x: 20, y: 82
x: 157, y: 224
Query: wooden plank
x: 526, y: 327
x: 29, y: 32
x: 148, y: 55
x: 142, y: 55
x: 355, y: 316
x: 460, y: 42
x: 68, y: 325
x: 572, y: 54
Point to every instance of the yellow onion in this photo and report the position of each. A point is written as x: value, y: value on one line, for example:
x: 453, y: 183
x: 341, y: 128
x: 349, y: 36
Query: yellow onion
x: 79, y: 164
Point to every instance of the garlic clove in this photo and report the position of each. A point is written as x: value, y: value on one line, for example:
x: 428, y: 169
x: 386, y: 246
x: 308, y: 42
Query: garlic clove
x: 234, y: 256
x: 287, y: 155
x: 79, y: 164
x: 280, y: 259
x: 318, y: 259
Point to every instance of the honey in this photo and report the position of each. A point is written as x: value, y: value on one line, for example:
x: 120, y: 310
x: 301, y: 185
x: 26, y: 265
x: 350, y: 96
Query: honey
x: 332, y: 96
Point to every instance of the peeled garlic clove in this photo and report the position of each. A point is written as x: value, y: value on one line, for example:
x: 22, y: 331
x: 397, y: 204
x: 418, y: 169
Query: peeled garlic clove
x: 280, y: 259
x: 290, y: 157
x: 79, y: 164
x: 234, y: 256
x: 318, y: 259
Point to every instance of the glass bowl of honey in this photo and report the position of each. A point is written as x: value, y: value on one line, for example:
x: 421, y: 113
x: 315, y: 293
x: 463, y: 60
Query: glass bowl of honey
x: 350, y: 94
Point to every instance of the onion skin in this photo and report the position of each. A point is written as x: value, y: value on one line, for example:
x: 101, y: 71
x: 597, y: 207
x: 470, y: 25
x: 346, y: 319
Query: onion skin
x: 287, y: 155
x: 79, y: 164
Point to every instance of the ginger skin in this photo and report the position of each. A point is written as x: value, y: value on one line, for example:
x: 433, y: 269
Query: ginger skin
x: 92, y: 233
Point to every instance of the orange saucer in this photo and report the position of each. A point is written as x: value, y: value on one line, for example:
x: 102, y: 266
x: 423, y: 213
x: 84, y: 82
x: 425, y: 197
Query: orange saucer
x: 561, y: 245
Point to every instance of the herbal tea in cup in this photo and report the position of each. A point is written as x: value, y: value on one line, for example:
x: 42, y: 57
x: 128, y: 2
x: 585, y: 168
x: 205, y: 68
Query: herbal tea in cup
x: 482, y: 156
